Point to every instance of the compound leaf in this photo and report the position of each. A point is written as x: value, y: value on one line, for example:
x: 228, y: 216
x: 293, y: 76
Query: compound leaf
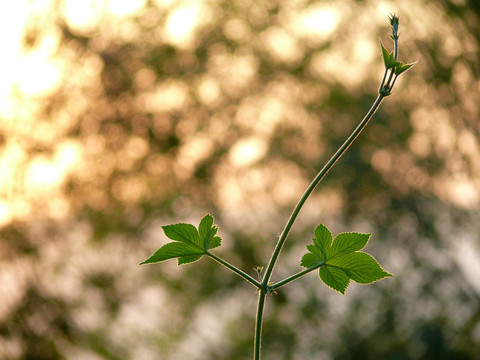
x: 341, y: 261
x: 189, y: 243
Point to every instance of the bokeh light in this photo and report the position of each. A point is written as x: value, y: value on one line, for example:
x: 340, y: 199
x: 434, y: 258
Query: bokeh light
x: 118, y: 117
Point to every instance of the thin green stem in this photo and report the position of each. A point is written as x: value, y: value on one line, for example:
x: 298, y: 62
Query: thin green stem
x: 388, y: 86
x: 258, y: 324
x: 383, y: 80
x: 293, y: 277
x: 314, y: 183
x: 395, y: 56
x: 236, y: 270
x: 393, y: 83
x: 395, y: 48
x: 264, y: 287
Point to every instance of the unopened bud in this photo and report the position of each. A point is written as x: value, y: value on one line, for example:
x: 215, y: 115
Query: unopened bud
x: 394, y: 22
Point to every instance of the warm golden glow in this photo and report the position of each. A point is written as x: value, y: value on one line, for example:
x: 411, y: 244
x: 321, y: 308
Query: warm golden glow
x: 120, y: 116
x: 316, y: 21
x: 182, y: 22
x: 247, y: 151
x: 41, y: 70
x: 281, y: 45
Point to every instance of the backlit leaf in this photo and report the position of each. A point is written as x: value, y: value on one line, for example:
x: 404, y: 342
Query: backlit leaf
x: 388, y: 58
x: 341, y: 261
x: 360, y: 267
x: 348, y: 242
x: 189, y: 243
x: 310, y: 260
x: 401, y: 68
x: 334, y: 278
x: 323, y: 237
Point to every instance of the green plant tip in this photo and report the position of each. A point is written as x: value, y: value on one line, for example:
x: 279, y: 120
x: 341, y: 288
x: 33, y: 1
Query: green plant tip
x: 394, y: 22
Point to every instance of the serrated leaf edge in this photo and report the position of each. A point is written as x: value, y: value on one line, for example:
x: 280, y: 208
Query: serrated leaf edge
x: 331, y: 287
x: 326, y: 265
x: 385, y: 273
x: 209, y: 239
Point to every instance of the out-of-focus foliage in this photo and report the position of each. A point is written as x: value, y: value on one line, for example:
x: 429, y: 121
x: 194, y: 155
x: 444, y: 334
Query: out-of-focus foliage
x: 128, y: 115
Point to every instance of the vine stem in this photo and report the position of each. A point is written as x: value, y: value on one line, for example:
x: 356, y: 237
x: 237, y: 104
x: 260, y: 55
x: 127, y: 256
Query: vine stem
x: 236, y: 270
x: 315, y: 182
x: 258, y: 324
x: 265, y: 287
x: 395, y: 48
x: 294, y: 277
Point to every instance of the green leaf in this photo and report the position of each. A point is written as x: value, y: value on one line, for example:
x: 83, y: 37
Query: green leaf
x: 310, y: 260
x: 185, y: 233
x: 347, y: 243
x: 400, y: 68
x: 189, y: 243
x: 207, y: 232
x: 318, y: 252
x: 172, y: 250
x: 321, y: 242
x: 388, y: 58
x: 323, y: 237
x: 341, y: 261
x: 360, y: 267
x: 205, y: 229
x: 186, y: 259
x: 334, y: 278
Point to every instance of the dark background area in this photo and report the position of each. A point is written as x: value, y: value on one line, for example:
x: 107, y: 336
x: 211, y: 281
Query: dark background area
x: 125, y: 116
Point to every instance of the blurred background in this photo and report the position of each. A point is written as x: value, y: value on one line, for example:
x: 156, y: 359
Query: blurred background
x: 117, y: 117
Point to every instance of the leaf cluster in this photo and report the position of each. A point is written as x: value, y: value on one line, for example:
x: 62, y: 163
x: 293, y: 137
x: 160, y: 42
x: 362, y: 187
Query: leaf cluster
x: 390, y: 63
x: 341, y: 260
x: 189, y: 243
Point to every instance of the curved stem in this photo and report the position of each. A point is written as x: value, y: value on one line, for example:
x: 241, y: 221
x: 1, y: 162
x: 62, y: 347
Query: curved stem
x: 236, y: 270
x: 294, y: 277
x: 393, y: 83
x: 383, y: 80
x: 314, y: 183
x: 258, y: 324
